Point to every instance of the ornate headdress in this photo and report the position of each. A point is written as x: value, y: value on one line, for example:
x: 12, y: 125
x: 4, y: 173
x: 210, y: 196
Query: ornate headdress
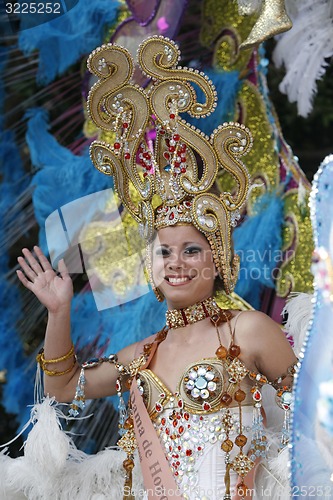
x: 160, y: 155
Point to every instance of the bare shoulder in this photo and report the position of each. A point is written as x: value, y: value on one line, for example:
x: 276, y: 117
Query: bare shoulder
x: 257, y: 324
x: 265, y: 343
x: 132, y: 351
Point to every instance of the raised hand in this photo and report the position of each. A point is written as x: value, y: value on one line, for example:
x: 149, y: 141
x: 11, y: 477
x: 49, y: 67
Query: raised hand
x: 53, y: 291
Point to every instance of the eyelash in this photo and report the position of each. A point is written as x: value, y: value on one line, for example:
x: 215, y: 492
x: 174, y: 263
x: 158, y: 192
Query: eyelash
x: 164, y: 252
x: 192, y: 250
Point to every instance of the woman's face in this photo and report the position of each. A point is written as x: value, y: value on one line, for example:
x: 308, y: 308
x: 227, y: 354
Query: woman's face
x: 183, y: 266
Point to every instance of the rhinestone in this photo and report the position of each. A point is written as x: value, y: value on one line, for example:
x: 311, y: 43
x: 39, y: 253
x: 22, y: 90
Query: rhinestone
x: 204, y: 393
x: 209, y: 375
x: 209, y: 223
x: 202, y: 371
x: 195, y: 393
x: 211, y: 386
x: 190, y: 385
x: 201, y: 383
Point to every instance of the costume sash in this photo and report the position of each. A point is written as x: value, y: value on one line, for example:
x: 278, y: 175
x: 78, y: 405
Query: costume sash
x: 157, y: 476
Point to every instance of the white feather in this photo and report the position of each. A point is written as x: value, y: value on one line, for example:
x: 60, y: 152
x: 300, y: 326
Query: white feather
x: 304, y: 50
x: 299, y: 309
x: 53, y: 468
x: 271, y: 478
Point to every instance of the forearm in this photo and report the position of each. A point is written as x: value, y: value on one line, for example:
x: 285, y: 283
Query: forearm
x: 57, y: 344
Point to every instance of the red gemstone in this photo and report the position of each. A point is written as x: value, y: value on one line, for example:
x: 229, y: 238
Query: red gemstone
x: 172, y: 116
x: 186, y: 416
x: 177, y: 164
x: 188, y: 453
x: 176, y: 137
x: 183, y: 170
x: 179, y: 448
x: 171, y: 216
x: 163, y: 421
x: 127, y: 156
x: 199, y: 448
x: 162, y: 131
x: 183, y: 148
x: 257, y: 395
x: 146, y: 155
x: 206, y: 406
x: 116, y: 145
x: 158, y: 407
x: 145, y: 174
x: 176, y: 473
x: 181, y: 429
x: 180, y: 403
x: 172, y: 149
x: 125, y: 125
x: 166, y: 155
x: 167, y: 431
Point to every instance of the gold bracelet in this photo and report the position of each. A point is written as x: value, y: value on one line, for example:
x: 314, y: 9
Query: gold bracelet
x: 43, y: 362
x: 53, y: 373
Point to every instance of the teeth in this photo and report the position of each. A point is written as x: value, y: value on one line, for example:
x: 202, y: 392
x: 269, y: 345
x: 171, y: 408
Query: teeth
x: 178, y: 280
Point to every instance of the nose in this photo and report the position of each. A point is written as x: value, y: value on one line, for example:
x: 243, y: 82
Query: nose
x: 175, y: 262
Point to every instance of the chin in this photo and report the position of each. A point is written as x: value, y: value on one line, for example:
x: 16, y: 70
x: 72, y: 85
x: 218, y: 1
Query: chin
x: 178, y: 298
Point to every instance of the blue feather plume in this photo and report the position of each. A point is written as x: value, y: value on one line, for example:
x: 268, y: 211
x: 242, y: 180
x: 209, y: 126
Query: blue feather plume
x: 227, y: 85
x: 63, y: 176
x: 258, y: 241
x: 64, y: 40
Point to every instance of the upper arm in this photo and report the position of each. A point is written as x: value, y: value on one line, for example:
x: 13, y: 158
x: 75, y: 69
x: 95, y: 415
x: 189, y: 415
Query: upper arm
x: 101, y: 381
x: 269, y: 348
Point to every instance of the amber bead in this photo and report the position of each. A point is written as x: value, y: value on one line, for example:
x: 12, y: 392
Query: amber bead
x: 128, y: 424
x: 128, y: 464
x: 147, y: 348
x: 227, y: 445
x: 234, y: 351
x: 129, y: 383
x: 221, y: 352
x: 240, y: 395
x: 226, y: 399
x: 242, y: 490
x: 241, y: 440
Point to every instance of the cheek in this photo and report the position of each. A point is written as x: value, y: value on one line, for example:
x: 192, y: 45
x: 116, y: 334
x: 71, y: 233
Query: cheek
x: 157, y: 264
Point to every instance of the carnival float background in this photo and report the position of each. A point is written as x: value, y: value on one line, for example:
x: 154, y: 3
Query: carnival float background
x: 46, y: 169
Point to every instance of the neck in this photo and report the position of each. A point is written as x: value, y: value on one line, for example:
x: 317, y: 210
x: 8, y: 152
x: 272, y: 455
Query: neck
x: 178, y: 318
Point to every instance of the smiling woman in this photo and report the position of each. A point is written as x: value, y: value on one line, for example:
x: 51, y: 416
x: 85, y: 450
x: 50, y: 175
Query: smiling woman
x: 183, y: 265
x: 195, y: 411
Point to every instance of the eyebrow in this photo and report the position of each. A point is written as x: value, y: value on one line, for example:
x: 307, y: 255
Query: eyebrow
x: 184, y: 244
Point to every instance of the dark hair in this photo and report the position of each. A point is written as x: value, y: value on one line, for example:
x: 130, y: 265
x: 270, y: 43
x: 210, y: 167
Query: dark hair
x: 218, y: 285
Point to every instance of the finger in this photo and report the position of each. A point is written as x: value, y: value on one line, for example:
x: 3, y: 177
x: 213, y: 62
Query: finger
x: 30, y: 273
x: 63, y: 269
x: 32, y: 261
x: 44, y: 262
x: 23, y: 279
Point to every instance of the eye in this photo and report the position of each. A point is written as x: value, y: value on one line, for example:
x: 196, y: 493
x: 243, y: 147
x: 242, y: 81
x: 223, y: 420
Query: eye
x: 192, y: 250
x: 162, y: 251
